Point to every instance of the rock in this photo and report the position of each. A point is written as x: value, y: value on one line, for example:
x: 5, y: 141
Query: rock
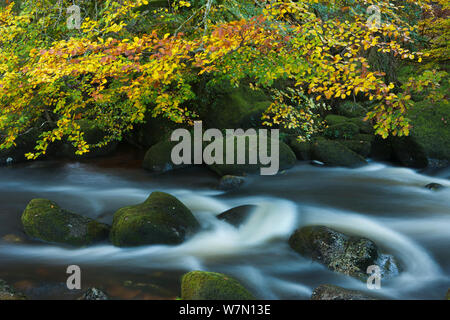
x: 222, y: 106
x: 236, y: 216
x: 8, y: 293
x: 341, y: 253
x: 331, y: 292
x: 361, y: 147
x: 45, y: 220
x: 408, y: 152
x: 93, y: 294
x: 430, y: 127
x: 434, y: 186
x: 201, y: 285
x: 346, y: 130
x: 287, y: 159
x: 302, y: 149
x: 12, y: 238
x: 448, y: 295
x: 161, y: 219
x: 230, y: 182
x: 351, y: 109
x: 332, y: 153
x: 158, y: 157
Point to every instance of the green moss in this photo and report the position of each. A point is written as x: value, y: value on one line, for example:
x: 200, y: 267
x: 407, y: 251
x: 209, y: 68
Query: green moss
x: 333, y: 153
x: 302, y: 149
x: 351, y: 109
x: 287, y: 159
x: 201, y: 285
x: 361, y: 147
x: 45, y: 220
x: 225, y: 107
x: 161, y: 219
x: 408, y: 152
x: 158, y: 157
x: 431, y: 128
x: 345, y: 130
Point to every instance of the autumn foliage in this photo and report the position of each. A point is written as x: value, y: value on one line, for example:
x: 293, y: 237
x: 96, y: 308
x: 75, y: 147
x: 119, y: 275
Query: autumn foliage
x: 130, y: 59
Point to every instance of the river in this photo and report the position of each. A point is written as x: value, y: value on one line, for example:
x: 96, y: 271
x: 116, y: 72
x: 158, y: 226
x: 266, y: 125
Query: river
x: 386, y: 204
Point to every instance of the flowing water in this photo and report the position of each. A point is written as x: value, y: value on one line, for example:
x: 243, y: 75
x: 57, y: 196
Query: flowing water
x: 386, y: 204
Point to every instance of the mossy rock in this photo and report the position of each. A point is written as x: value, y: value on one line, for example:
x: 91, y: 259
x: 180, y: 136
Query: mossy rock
x: 201, y: 285
x: 225, y: 107
x: 332, y: 153
x: 161, y: 219
x: 408, y: 152
x: 159, y: 157
x: 45, y: 220
x: 448, y: 295
x: 349, y: 255
x: 345, y: 130
x: 287, y: 158
x: 8, y: 293
x: 336, y: 120
x: 351, y: 109
x: 331, y: 292
x: 361, y: 147
x: 431, y: 128
x: 238, y: 215
x: 302, y: 149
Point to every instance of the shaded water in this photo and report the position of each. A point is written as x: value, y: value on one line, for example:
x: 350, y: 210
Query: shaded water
x: 386, y: 204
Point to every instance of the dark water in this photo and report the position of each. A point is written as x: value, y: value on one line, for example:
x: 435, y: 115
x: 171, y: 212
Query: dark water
x: 386, y: 204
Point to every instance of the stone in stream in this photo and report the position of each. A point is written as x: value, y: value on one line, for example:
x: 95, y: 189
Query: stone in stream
x: 8, y: 293
x: 45, y: 220
x: 93, y: 294
x: 201, y: 285
x: 161, y: 219
x: 434, y: 186
x: 236, y: 216
x: 230, y: 182
x: 349, y: 255
x: 332, y: 153
x: 448, y: 295
x: 331, y: 292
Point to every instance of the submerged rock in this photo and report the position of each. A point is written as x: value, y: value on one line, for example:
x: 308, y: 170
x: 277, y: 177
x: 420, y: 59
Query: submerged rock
x: 331, y: 292
x: 93, y: 294
x: 231, y: 182
x: 12, y: 238
x: 201, y: 285
x: 341, y: 253
x: 236, y: 216
x: 45, y: 220
x: 161, y: 219
x: 332, y: 153
x: 434, y: 186
x: 8, y: 293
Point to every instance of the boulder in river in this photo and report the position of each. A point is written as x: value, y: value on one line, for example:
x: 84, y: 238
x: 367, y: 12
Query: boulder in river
x: 161, y: 219
x: 236, y: 216
x: 229, y: 182
x: 158, y: 157
x: 332, y: 153
x: 302, y: 149
x: 434, y: 186
x: 8, y: 293
x: 448, y: 295
x: 93, y: 294
x: 45, y: 220
x: 408, y: 152
x: 349, y: 255
x: 331, y: 292
x: 201, y: 285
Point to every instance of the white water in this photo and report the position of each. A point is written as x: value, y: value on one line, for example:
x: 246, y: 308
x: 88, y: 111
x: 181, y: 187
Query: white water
x: 257, y: 252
